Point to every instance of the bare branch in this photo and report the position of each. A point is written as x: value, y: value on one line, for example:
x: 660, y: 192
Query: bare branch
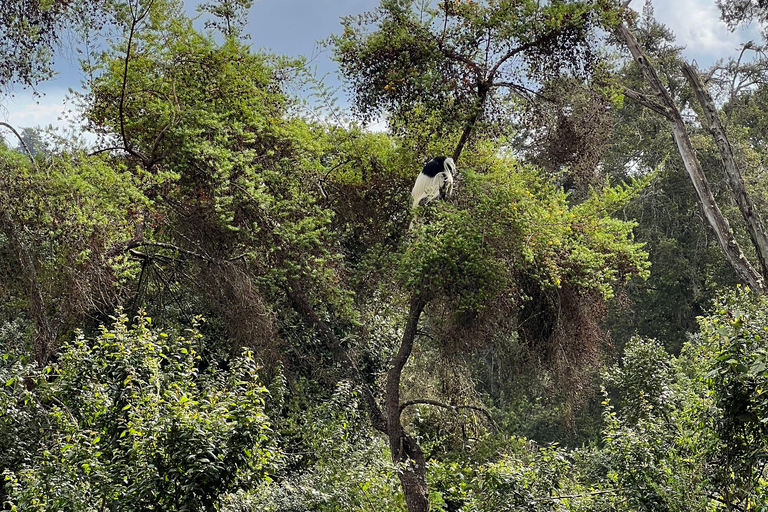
x: 449, y: 406
x: 23, y: 144
x: 747, y: 46
x: 757, y: 233
x: 104, y: 150
x: 648, y: 103
x: 146, y: 243
x: 712, y: 212
x: 523, y: 91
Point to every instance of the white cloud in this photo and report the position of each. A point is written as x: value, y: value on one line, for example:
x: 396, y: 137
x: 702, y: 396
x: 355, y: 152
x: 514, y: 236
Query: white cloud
x: 25, y: 111
x: 697, y: 26
x: 377, y: 126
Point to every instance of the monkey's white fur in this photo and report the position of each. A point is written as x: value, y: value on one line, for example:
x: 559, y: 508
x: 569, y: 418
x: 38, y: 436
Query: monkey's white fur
x: 431, y: 187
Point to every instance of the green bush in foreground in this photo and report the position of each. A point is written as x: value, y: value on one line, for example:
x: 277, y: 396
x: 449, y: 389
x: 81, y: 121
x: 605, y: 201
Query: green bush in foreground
x: 128, y: 421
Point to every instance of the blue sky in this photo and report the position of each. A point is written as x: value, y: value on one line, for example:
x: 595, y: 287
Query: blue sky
x: 293, y: 27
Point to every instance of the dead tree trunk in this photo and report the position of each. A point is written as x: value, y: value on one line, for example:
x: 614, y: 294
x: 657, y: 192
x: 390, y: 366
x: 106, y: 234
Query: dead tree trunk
x: 747, y: 208
x: 663, y: 104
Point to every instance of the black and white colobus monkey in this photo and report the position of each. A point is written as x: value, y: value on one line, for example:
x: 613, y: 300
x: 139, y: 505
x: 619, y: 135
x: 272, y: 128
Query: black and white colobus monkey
x: 436, y: 179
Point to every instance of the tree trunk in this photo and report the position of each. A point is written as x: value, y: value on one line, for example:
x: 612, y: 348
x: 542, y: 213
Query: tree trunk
x: 406, y: 453
x: 412, y: 472
x: 747, y: 208
x: 482, y: 96
x: 712, y: 212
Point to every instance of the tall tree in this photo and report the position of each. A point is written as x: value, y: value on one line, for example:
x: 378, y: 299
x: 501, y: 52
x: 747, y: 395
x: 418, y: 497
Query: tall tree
x: 272, y: 205
x: 737, y: 12
x: 662, y: 103
x: 454, y: 64
x: 688, y: 264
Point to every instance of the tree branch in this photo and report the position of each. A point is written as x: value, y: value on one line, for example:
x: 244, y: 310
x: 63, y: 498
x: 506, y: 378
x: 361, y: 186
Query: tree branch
x: 522, y: 90
x: 712, y: 212
x: 474, y: 66
x: 132, y: 244
x: 104, y: 150
x: 482, y: 95
x: 516, y: 51
x: 171, y: 122
x: 448, y: 406
x: 23, y: 144
x: 136, y: 18
x: 648, y: 103
x: 395, y: 429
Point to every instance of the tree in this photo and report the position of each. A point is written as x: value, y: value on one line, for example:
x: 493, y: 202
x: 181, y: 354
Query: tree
x: 230, y: 14
x: 64, y: 224
x: 688, y: 432
x: 736, y: 334
x: 737, y: 12
x: 441, y: 71
x: 688, y: 265
x: 30, y: 33
x: 451, y: 65
x: 276, y: 221
x: 664, y: 105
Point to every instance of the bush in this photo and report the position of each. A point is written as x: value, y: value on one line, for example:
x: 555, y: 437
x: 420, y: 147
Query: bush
x: 127, y: 421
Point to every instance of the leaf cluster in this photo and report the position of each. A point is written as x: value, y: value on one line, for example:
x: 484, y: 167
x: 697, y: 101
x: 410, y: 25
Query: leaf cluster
x: 128, y: 420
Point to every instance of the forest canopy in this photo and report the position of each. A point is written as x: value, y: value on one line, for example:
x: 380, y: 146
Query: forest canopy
x: 227, y: 301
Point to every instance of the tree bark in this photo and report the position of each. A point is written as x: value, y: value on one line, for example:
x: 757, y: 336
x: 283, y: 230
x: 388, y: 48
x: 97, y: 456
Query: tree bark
x: 714, y: 216
x: 747, y: 208
x: 406, y: 452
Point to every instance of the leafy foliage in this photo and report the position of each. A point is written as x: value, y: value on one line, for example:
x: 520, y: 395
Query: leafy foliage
x: 65, y: 220
x: 513, y: 253
x: 739, y: 377
x: 481, y: 315
x: 333, y: 460
x: 446, y: 66
x: 128, y: 420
